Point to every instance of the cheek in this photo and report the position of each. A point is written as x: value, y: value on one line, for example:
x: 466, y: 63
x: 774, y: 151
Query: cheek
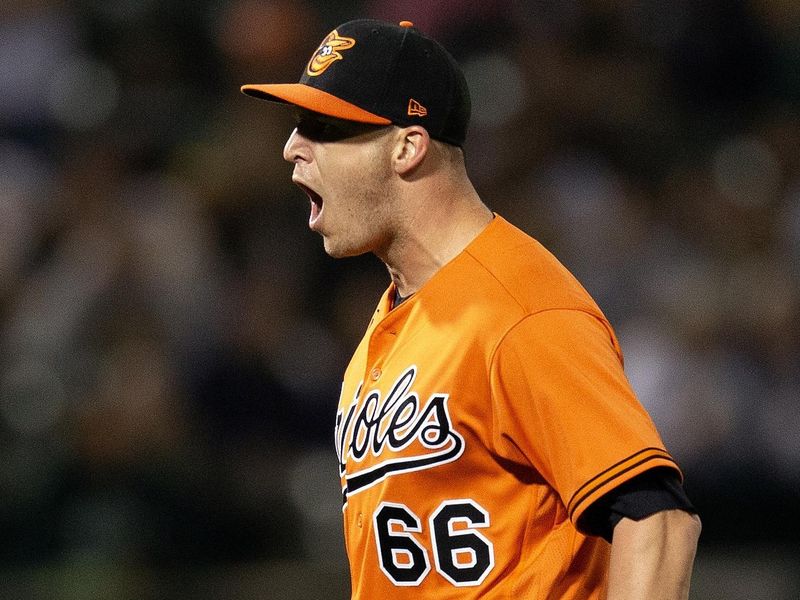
x: 375, y: 177
x: 358, y: 181
x: 363, y: 187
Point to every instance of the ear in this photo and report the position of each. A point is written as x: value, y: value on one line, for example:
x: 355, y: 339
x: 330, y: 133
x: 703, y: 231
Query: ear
x: 412, y: 146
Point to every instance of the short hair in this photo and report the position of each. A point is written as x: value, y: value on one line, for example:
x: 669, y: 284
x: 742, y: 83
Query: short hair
x: 450, y: 153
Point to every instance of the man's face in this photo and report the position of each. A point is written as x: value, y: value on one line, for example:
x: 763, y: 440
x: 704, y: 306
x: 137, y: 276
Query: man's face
x: 344, y: 169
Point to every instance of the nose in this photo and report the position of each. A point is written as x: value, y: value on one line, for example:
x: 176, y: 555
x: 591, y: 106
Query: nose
x: 296, y: 148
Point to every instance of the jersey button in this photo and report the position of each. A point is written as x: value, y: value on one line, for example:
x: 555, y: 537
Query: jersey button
x: 376, y: 374
x: 360, y: 520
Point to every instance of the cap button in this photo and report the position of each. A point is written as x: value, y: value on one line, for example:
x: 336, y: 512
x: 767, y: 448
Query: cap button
x: 406, y: 24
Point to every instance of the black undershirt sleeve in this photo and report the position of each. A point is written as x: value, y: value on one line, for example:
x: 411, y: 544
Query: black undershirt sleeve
x: 646, y: 494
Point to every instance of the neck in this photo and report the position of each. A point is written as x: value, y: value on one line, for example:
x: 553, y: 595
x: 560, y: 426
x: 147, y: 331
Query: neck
x: 433, y: 230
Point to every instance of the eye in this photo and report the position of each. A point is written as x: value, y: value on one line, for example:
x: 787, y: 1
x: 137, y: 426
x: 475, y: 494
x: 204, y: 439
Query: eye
x: 324, y: 129
x: 314, y: 129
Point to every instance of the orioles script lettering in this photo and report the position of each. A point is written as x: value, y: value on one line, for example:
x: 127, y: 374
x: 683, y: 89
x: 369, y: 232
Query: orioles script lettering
x: 375, y: 431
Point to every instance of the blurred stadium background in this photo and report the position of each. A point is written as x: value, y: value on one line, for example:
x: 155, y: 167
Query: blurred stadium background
x: 172, y: 335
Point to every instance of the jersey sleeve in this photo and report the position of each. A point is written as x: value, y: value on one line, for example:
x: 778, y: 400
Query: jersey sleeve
x: 561, y: 402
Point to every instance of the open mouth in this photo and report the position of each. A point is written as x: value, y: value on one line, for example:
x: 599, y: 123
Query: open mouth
x: 316, y: 202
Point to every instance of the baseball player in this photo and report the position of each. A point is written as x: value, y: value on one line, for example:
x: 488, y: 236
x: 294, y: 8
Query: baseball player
x: 489, y: 443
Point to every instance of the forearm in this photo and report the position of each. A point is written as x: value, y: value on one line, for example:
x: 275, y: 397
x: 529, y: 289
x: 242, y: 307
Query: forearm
x: 652, y: 559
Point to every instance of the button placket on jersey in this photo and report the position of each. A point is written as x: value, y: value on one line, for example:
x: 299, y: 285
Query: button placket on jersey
x: 382, y: 338
x: 379, y: 345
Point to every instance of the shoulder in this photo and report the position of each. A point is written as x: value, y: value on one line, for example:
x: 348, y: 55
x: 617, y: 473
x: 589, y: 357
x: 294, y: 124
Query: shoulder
x: 511, y: 266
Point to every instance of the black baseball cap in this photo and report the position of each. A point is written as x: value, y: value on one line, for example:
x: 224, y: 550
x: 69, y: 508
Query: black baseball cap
x: 381, y: 73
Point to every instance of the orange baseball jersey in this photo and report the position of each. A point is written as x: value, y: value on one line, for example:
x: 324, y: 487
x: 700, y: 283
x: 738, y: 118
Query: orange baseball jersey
x: 477, y: 422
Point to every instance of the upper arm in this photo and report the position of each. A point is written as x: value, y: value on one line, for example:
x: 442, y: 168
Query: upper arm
x: 677, y: 525
x: 652, y: 558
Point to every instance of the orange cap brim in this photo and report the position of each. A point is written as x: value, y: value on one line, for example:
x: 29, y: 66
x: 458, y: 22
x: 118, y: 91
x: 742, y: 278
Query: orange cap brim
x: 314, y: 100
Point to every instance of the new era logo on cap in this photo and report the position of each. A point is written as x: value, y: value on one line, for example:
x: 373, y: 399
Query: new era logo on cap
x: 415, y: 109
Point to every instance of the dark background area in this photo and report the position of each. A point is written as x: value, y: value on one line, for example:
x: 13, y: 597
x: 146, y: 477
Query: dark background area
x: 172, y: 336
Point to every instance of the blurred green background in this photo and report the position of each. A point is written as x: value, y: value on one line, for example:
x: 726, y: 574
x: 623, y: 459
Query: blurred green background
x: 172, y: 336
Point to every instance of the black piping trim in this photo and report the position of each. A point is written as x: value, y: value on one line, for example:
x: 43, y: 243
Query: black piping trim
x: 576, y: 503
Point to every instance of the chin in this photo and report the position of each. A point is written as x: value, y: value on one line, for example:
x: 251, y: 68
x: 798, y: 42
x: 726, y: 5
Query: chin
x: 334, y: 250
x: 342, y: 251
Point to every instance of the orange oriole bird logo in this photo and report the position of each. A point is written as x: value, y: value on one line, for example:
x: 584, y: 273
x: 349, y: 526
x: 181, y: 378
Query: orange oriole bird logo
x: 328, y: 53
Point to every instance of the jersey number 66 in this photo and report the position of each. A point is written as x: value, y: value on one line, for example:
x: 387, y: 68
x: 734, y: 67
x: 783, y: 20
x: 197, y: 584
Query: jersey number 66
x: 462, y: 554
